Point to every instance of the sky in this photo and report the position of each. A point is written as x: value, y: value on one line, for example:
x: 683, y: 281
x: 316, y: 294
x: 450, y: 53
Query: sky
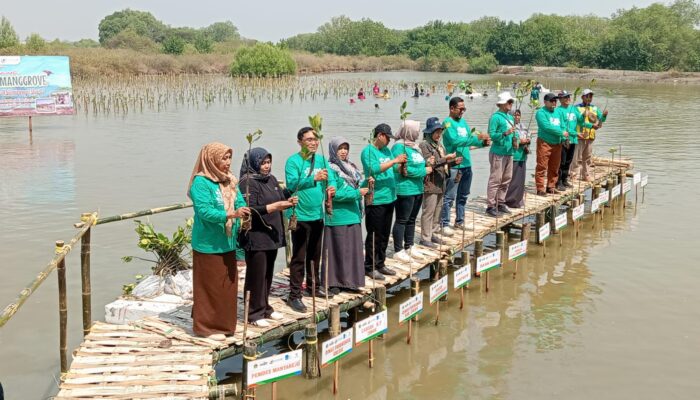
x: 277, y: 19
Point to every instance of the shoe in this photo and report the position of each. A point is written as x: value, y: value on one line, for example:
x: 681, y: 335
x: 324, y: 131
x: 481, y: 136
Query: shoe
x: 567, y: 184
x: 492, y: 211
x: 541, y: 193
x: 296, y: 305
x: 447, y: 231
x: 458, y: 226
x: 552, y: 191
x: 436, y: 240
x: 430, y: 245
x: 417, y: 253
x: 261, y: 323
x: 386, y: 271
x: 561, y: 187
x: 276, y: 316
x: 503, y: 209
x: 352, y: 290
x: 320, y: 292
x: 219, y: 337
x: 375, y: 275
x: 334, y: 290
x: 401, y: 256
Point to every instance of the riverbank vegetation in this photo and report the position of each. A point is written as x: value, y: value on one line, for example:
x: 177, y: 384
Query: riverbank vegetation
x: 656, y: 38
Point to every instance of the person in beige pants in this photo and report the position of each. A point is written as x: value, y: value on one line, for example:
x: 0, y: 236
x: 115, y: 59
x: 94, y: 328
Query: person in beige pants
x: 593, y: 118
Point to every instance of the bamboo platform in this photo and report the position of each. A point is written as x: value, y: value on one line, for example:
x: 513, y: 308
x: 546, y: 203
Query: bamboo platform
x: 160, y: 357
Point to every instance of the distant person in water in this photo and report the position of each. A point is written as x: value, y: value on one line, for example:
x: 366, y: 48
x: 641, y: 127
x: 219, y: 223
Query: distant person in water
x: 450, y: 88
x: 422, y: 90
x: 375, y: 89
x: 415, y: 90
x: 386, y: 94
x: 361, y: 94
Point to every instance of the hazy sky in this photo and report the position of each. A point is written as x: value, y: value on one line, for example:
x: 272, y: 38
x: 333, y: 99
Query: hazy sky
x: 274, y: 20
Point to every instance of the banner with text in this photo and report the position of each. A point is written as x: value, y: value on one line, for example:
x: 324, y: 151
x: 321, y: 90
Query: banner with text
x: 33, y: 85
x: 371, y: 327
x: 336, y: 348
x: 462, y: 276
x: 274, y: 368
x: 488, y: 261
x: 517, y: 250
x: 438, y: 289
x: 410, y: 308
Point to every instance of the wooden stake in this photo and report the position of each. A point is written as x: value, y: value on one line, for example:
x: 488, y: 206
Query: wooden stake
x: 465, y: 261
x: 30, y: 125
x: 250, y: 353
x: 85, y: 276
x: 273, y: 389
x: 478, y: 252
x: 62, y: 309
x: 334, y: 330
x: 379, y: 294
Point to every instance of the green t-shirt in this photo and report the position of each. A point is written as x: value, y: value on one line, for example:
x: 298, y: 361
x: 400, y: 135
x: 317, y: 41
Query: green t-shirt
x: 549, y: 126
x: 457, y: 137
x: 411, y: 184
x: 209, y: 227
x: 384, y: 182
x: 500, y: 123
x: 570, y: 118
x: 300, y: 180
x: 346, y: 203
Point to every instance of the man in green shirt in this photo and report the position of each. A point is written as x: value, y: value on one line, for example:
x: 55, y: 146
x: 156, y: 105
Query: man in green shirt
x: 378, y: 163
x: 570, y: 118
x: 458, y: 138
x: 306, y: 174
x: 501, y: 128
x: 551, y: 133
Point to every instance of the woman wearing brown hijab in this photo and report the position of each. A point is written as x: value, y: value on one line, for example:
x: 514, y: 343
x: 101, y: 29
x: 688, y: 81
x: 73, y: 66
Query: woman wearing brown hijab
x: 217, y: 203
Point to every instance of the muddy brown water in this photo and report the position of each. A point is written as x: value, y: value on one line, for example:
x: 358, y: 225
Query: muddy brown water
x: 612, y: 314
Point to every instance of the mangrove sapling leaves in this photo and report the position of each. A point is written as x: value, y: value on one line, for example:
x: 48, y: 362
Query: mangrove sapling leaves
x: 253, y: 137
x: 170, y: 253
x: 404, y: 113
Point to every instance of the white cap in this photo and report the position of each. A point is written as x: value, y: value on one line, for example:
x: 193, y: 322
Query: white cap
x: 587, y: 92
x: 504, y: 97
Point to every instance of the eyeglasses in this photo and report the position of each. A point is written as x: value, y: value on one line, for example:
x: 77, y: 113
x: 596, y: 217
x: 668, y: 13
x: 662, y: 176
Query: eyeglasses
x: 310, y: 140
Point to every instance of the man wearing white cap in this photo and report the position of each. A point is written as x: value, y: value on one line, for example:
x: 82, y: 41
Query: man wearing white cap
x: 501, y: 128
x: 592, y: 120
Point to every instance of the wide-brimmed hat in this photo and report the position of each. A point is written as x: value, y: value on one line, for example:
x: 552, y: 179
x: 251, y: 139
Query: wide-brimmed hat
x: 431, y: 125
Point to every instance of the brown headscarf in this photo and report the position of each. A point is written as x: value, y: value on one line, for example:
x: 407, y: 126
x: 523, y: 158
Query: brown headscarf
x: 206, y: 166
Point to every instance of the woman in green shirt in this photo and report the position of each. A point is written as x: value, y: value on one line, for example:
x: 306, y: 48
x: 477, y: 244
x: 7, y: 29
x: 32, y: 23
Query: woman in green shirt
x: 343, y: 228
x: 217, y: 204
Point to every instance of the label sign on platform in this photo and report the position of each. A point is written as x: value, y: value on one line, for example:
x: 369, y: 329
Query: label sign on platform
x: 488, y: 261
x: 626, y: 187
x: 517, y: 250
x: 438, y: 289
x: 645, y: 180
x: 544, y: 232
x: 35, y: 86
x: 578, y: 211
x: 462, y: 276
x: 274, y: 368
x: 604, y: 197
x: 616, y: 191
x: 410, y: 308
x: 336, y: 348
x: 560, y: 221
x: 637, y: 178
x: 595, y: 204
x: 371, y: 327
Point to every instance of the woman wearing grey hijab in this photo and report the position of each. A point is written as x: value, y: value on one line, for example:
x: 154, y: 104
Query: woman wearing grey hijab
x: 343, y: 229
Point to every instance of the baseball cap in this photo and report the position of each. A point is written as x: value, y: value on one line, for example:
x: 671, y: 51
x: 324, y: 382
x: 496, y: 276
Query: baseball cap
x: 587, y: 92
x: 564, y: 94
x: 550, y: 97
x: 383, y: 128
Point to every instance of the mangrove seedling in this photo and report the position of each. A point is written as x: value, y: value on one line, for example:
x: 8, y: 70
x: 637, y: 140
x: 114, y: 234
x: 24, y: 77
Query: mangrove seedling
x: 316, y: 123
x: 403, y: 169
x: 247, y: 221
x: 170, y: 253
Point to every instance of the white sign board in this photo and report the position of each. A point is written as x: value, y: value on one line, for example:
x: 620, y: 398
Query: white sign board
x: 645, y: 180
x: 438, y: 289
x: 371, y: 327
x: 637, y: 178
x: 410, y: 308
x: 578, y: 211
x: 595, y: 205
x: 544, y: 232
x: 462, y: 276
x: 604, y: 197
x: 488, y: 261
x: 616, y: 191
x: 560, y: 221
x: 626, y: 187
x: 274, y: 368
x: 336, y: 348
x: 517, y: 250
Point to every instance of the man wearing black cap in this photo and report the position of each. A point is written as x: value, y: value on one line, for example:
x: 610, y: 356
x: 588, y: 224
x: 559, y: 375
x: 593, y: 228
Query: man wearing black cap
x: 377, y: 163
x: 551, y: 134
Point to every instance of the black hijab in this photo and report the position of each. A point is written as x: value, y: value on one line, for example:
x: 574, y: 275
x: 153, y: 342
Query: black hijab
x: 252, y: 160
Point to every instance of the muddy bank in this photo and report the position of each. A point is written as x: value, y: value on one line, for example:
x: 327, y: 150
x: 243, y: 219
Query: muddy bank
x: 672, y: 76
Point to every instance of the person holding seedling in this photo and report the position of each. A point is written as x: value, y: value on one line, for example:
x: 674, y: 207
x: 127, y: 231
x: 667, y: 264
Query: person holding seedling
x: 515, y: 196
x: 592, y: 121
x: 551, y: 134
x: 504, y: 142
x: 570, y: 118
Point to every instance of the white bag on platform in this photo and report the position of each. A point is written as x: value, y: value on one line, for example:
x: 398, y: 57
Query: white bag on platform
x: 149, y: 288
x: 180, y: 284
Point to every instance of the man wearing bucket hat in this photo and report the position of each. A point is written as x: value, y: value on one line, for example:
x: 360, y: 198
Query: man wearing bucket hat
x: 501, y: 128
x: 377, y: 163
x: 551, y: 134
x: 570, y: 119
x: 435, y: 182
x: 592, y: 120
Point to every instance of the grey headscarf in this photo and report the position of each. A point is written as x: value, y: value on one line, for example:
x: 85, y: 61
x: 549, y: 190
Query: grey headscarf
x: 345, y: 169
x: 409, y: 133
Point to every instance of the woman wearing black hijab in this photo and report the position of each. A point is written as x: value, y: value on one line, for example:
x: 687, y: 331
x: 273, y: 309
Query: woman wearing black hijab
x: 267, y: 201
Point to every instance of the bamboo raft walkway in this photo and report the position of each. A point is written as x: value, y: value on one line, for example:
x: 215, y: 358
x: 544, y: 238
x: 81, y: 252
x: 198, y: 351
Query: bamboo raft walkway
x: 160, y: 357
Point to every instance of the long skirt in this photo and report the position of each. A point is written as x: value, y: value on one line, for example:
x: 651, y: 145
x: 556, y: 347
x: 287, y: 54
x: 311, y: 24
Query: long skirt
x: 215, y: 293
x: 345, y: 259
x: 516, y: 188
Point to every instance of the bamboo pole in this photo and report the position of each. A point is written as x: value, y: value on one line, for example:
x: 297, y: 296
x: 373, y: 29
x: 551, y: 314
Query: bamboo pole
x: 250, y: 353
x: 311, y: 369
x: 222, y: 392
x: 24, y: 294
x: 478, y: 252
x: 137, y: 214
x: 85, y: 276
x: 464, y: 261
x: 62, y: 309
x: 334, y: 330
x: 31, y: 129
